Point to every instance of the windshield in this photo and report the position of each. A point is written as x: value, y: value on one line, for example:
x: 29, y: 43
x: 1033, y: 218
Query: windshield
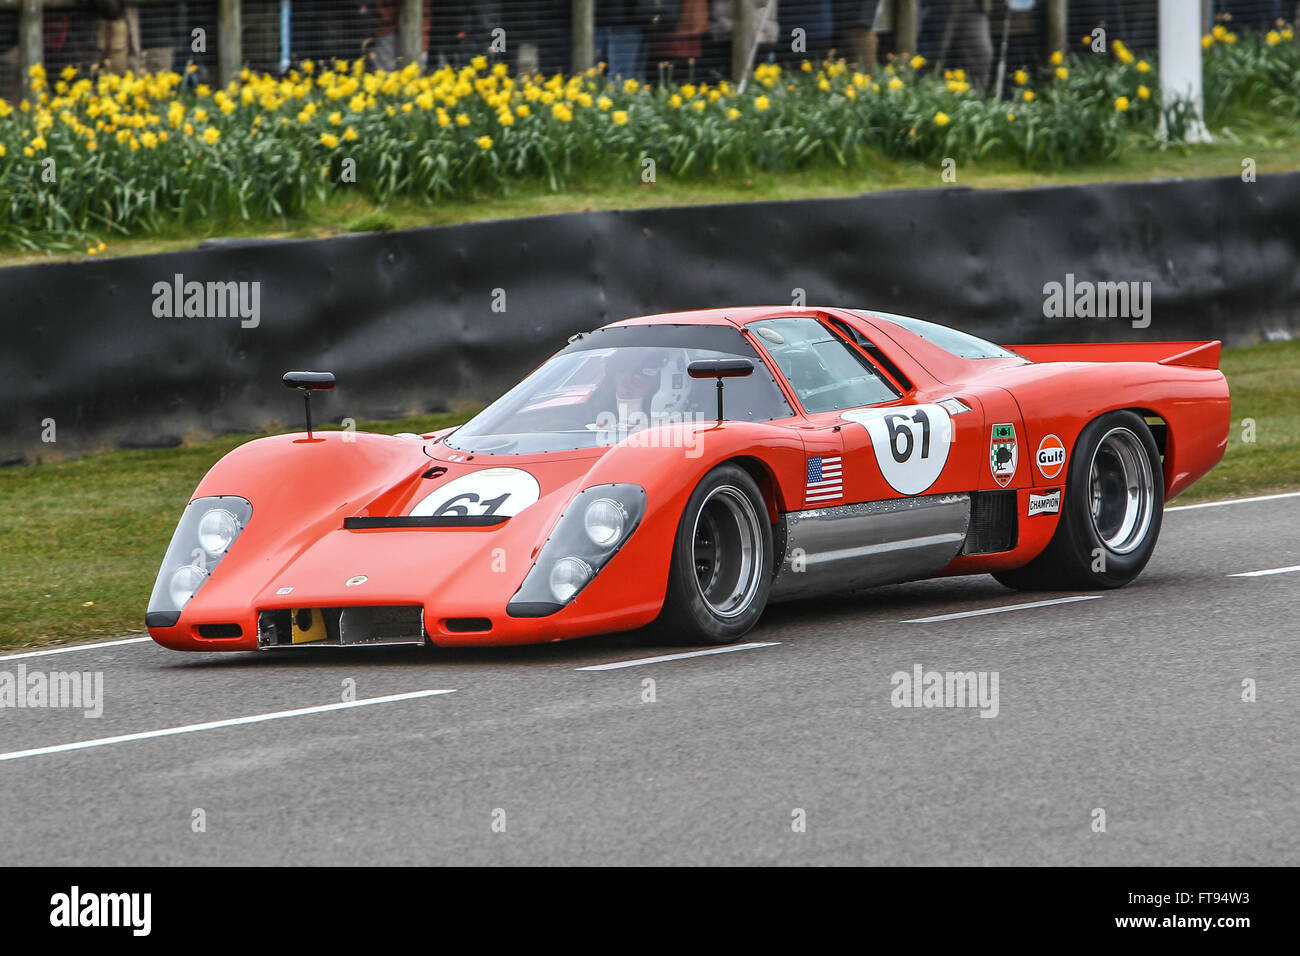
x: 616, y: 382
x: 961, y: 344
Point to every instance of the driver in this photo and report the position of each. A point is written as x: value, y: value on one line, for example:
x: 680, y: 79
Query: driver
x: 635, y: 381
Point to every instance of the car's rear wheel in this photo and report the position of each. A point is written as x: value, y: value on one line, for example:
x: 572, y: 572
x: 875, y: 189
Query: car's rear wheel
x: 721, y: 568
x: 1110, y: 513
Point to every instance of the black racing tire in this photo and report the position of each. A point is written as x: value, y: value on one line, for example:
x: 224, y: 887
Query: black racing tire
x: 722, y: 563
x: 1110, y: 512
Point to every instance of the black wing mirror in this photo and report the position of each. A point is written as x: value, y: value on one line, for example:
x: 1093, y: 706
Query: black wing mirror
x: 309, y: 382
x: 720, y: 369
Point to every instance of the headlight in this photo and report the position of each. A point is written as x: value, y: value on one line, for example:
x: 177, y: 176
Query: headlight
x: 604, y: 521
x: 568, y: 576
x: 217, y: 531
x: 185, y: 581
x: 597, y: 522
x: 207, y: 529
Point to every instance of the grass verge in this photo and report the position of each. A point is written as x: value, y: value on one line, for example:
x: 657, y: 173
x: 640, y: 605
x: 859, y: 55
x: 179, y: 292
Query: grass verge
x: 82, y: 539
x: 1273, y: 143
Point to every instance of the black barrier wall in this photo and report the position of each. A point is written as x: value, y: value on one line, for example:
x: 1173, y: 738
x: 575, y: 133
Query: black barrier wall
x: 434, y: 318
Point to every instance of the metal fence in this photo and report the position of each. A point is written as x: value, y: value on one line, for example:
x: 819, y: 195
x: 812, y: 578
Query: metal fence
x: 652, y: 40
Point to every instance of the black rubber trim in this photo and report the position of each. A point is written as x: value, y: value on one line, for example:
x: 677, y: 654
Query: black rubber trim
x: 439, y: 521
x: 161, y: 618
x: 532, y: 608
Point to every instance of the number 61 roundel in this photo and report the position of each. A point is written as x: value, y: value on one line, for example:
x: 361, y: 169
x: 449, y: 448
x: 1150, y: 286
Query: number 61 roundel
x: 911, y: 443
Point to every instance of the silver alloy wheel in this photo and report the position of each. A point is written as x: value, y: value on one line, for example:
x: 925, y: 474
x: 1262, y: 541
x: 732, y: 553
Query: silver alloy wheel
x: 727, y: 551
x: 1122, y: 490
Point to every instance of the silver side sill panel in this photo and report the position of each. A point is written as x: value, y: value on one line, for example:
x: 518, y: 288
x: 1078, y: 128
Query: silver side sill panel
x: 877, y: 542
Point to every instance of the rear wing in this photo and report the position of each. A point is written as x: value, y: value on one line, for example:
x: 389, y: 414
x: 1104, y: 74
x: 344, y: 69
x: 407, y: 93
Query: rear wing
x: 1189, y: 354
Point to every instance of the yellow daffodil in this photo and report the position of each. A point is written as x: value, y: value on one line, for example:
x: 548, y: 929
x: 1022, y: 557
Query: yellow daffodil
x: 941, y: 118
x: 1121, y: 103
x: 484, y: 142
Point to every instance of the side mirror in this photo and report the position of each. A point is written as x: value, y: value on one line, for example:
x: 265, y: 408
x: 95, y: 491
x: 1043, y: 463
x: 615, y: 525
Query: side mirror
x: 309, y: 382
x: 315, y: 381
x: 720, y: 368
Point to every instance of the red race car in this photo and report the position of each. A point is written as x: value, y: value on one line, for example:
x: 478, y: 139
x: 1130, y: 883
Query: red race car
x: 680, y: 471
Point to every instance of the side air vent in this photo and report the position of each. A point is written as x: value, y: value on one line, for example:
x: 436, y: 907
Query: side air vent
x: 992, y: 522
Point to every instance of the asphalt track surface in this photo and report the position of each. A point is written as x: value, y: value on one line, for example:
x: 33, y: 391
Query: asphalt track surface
x: 1131, y: 703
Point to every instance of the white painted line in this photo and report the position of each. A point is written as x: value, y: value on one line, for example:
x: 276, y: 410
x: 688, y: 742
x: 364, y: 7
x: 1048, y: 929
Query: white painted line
x: 1265, y: 572
x: 1233, y: 501
x: 76, y: 647
x: 677, y: 657
x: 1000, y: 610
x: 216, y: 724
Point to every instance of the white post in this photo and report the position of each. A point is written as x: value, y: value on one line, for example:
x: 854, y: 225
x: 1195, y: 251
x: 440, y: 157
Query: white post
x: 1180, y: 63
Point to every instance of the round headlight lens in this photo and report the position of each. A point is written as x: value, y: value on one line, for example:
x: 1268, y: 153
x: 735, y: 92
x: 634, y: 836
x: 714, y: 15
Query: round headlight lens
x: 568, y: 577
x: 217, y: 529
x: 185, y: 581
x: 604, y: 521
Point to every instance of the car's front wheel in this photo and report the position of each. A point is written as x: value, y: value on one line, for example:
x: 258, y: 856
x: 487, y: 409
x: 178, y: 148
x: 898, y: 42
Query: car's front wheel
x: 721, y: 570
x: 1110, y: 513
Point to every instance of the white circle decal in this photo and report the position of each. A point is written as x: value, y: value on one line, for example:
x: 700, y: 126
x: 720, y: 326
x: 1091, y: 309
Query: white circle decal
x: 911, y: 443
x: 492, y: 491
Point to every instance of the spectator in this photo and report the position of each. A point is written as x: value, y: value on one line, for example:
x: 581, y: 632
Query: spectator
x: 813, y: 17
x: 161, y: 31
x: 684, y: 41
x: 624, y: 29
x: 855, y: 25
x: 117, y: 39
x: 968, y: 42
x: 381, y: 48
x: 10, y: 88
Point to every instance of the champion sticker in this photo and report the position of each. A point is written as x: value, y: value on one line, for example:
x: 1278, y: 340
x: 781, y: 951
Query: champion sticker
x: 1003, y: 453
x: 355, y: 580
x: 1048, y: 504
x: 911, y: 443
x: 1050, y: 457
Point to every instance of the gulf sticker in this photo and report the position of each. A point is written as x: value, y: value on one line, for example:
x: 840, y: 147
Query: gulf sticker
x: 1051, y: 456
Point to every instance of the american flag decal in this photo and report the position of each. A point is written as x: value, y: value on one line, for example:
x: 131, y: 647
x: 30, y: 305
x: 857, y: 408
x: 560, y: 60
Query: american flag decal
x: 825, y: 480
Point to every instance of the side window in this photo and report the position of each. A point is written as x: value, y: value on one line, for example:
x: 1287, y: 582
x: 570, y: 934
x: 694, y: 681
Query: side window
x: 825, y: 373
x: 874, y: 350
